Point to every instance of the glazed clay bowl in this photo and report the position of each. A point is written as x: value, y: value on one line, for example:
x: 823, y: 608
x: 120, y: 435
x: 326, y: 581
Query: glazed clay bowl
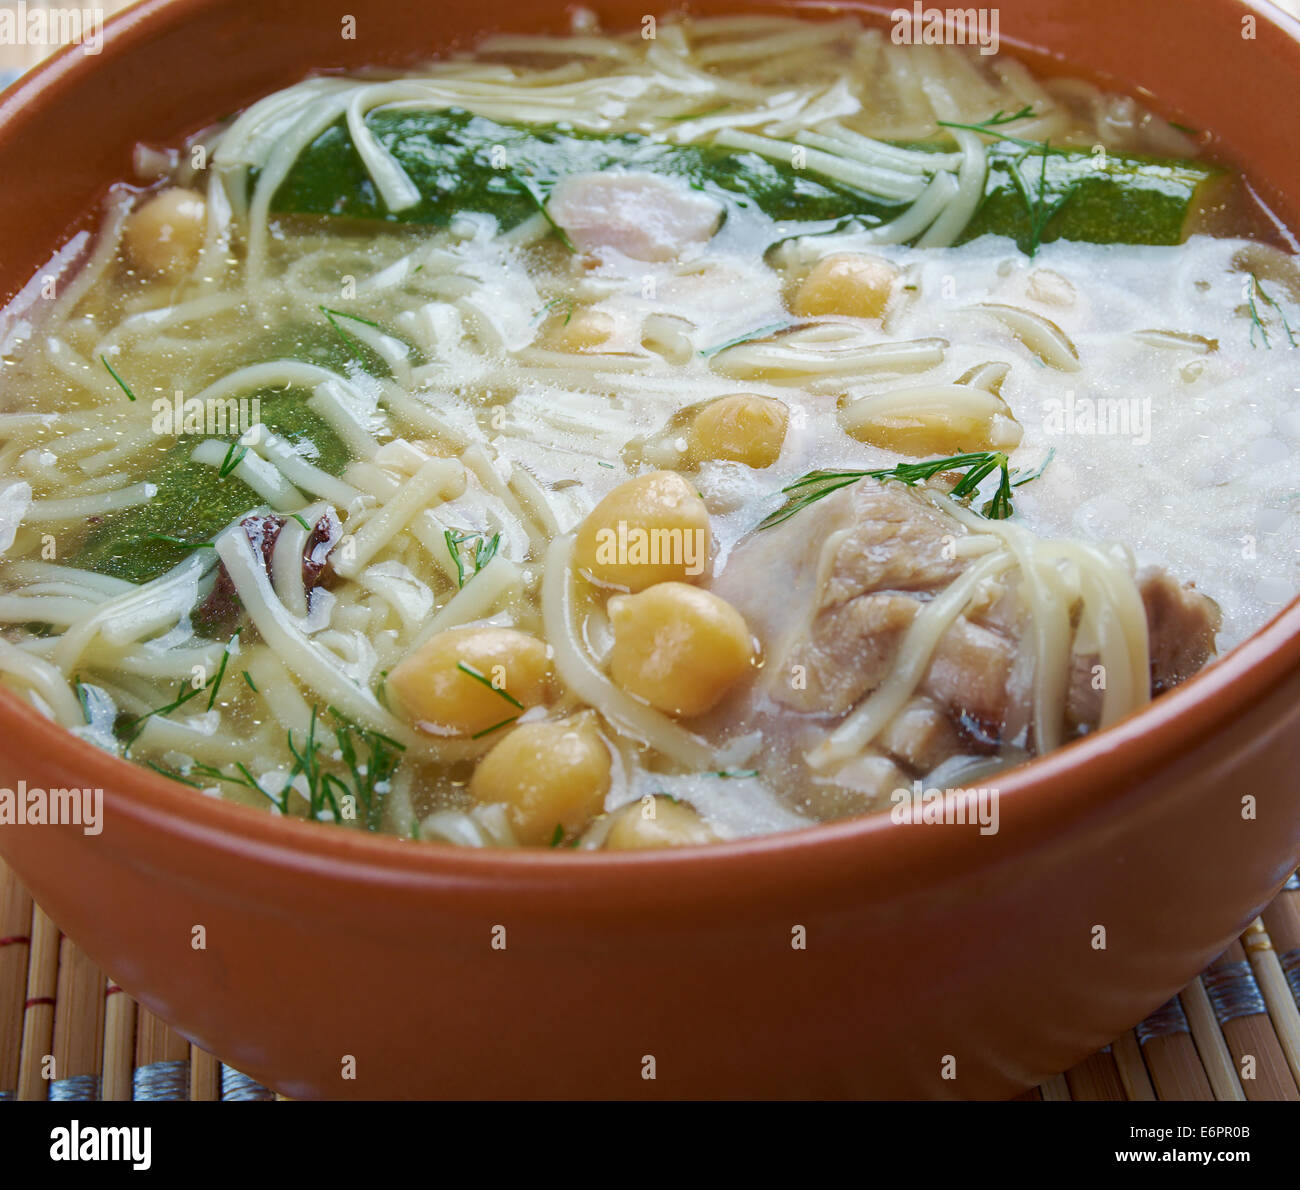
x: 926, y: 951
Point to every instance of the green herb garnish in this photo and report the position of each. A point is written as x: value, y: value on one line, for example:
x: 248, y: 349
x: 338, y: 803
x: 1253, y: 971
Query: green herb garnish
x: 189, y: 545
x: 221, y: 671
x: 1040, y: 211
x: 371, y: 759
x: 245, y: 780
x: 120, y: 382
x: 486, y: 681
x: 234, y: 456
x: 485, y: 550
x: 478, y: 735
x: 996, y: 120
x: 978, y: 465
x: 83, y: 698
x: 172, y: 774
x: 760, y: 333
x: 554, y: 304
x: 541, y: 207
x: 1257, y: 323
x: 352, y: 345
x: 137, y: 725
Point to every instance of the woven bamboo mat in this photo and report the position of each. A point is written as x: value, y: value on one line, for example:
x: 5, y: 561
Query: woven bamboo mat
x: 68, y: 1032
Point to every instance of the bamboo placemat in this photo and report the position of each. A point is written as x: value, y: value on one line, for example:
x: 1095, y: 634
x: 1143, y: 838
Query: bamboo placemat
x: 68, y: 1032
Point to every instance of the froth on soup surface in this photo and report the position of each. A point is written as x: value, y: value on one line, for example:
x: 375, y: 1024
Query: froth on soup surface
x: 603, y: 442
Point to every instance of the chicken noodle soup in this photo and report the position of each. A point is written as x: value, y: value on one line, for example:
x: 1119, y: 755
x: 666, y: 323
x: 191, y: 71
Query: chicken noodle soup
x: 610, y: 441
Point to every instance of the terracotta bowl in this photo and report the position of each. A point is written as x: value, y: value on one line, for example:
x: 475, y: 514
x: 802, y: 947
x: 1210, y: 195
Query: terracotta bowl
x: 922, y: 944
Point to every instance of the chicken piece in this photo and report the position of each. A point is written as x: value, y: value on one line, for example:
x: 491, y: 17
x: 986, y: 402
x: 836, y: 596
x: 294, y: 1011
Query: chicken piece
x: 854, y: 571
x: 641, y: 215
x: 895, y: 543
x: 922, y: 735
x: 848, y: 653
x: 1181, y: 627
x: 968, y: 674
x: 1182, y: 624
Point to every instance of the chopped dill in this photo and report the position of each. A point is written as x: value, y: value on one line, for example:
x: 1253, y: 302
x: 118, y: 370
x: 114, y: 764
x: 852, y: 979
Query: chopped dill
x: 478, y: 735
x: 759, y: 333
x: 221, y: 671
x: 1037, y: 207
x: 990, y: 126
x: 369, y: 759
x: 172, y: 774
x: 297, y: 516
x: 137, y: 725
x: 83, y: 698
x: 234, y: 456
x: 249, y: 680
x: 1257, y: 323
x: 130, y: 396
x: 128, y: 730
x: 189, y: 545
x: 729, y: 775
x: 1037, y: 471
x: 545, y: 214
x: 245, y: 780
x: 453, y: 548
x: 350, y: 342
x: 558, y: 837
x: 1040, y: 211
x: 978, y: 466
x: 486, y: 681
x: 554, y: 304
x: 484, y: 551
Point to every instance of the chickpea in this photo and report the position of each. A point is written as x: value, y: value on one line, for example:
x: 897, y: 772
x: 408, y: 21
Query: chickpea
x: 846, y: 283
x: 679, y: 648
x: 580, y: 330
x: 433, y: 689
x: 742, y: 429
x: 547, y: 775
x: 651, y: 529
x: 657, y: 822
x: 948, y: 419
x: 165, y: 235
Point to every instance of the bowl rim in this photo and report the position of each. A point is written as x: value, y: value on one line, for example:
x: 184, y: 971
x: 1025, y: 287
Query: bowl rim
x: 1035, y: 798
